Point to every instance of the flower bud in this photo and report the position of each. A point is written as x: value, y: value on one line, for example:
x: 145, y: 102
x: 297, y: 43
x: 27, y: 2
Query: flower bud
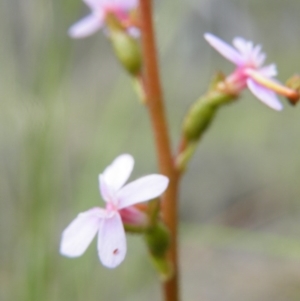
x: 158, y: 241
x: 202, y: 113
x: 125, y: 46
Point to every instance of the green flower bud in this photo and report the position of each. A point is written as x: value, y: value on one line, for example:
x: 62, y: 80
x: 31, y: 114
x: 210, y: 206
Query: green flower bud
x: 163, y: 266
x: 198, y: 120
x: 158, y: 241
x: 127, y: 49
x: 202, y: 113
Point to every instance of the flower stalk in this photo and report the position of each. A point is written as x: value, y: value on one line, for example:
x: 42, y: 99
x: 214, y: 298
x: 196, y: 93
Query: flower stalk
x: 162, y: 141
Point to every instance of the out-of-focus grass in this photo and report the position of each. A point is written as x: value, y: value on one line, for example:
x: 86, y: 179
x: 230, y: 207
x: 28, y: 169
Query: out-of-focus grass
x: 67, y: 110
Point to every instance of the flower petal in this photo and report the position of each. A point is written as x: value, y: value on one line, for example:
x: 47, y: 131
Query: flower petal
x: 257, y: 56
x: 224, y: 49
x: 80, y: 233
x: 240, y: 44
x: 249, y: 51
x: 107, y: 192
x: 94, y: 4
x: 268, y: 71
x: 141, y: 190
x: 112, y: 241
x: 117, y: 173
x: 126, y: 4
x: 117, y: 4
x: 86, y: 26
x: 267, y: 96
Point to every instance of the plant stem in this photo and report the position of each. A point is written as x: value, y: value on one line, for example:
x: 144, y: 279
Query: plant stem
x: 163, y: 148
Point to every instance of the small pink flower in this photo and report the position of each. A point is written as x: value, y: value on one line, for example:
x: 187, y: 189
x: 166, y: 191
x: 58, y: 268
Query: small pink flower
x: 96, y: 20
x: 250, y: 72
x: 108, y: 222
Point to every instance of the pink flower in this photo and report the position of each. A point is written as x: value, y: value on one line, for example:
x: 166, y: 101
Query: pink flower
x: 96, y: 20
x: 250, y: 71
x: 108, y: 222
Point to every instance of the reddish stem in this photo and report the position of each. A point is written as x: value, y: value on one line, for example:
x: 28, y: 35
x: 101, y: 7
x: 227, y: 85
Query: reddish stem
x: 182, y: 145
x: 161, y: 134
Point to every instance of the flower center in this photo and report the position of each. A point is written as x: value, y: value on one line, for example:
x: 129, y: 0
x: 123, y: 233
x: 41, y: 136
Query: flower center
x: 111, y: 206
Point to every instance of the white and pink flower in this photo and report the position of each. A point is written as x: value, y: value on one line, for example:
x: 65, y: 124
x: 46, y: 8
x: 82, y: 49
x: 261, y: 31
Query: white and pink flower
x: 99, y: 11
x: 107, y: 222
x: 250, y: 71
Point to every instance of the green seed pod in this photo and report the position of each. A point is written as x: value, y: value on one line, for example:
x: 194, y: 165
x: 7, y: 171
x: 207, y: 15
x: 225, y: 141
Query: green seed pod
x: 163, y: 266
x: 198, y: 119
x: 158, y: 239
x: 202, y: 113
x: 127, y: 50
x: 158, y: 242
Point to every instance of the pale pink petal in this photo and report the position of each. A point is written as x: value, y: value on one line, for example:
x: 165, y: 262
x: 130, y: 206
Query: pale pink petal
x: 117, y: 173
x: 86, y: 26
x: 141, y: 190
x: 94, y: 4
x: 100, y: 3
x: 240, y: 44
x: 248, y: 48
x: 118, y: 4
x: 97, y: 5
x: 79, y: 234
x: 268, y: 71
x: 126, y: 4
x: 107, y: 192
x: 224, y: 49
x: 257, y: 56
x: 112, y: 241
x: 265, y: 95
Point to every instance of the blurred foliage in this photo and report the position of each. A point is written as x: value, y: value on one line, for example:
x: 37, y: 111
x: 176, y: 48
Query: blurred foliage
x: 67, y: 110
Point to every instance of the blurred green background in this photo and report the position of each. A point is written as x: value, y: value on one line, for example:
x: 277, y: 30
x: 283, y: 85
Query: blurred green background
x: 67, y: 110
